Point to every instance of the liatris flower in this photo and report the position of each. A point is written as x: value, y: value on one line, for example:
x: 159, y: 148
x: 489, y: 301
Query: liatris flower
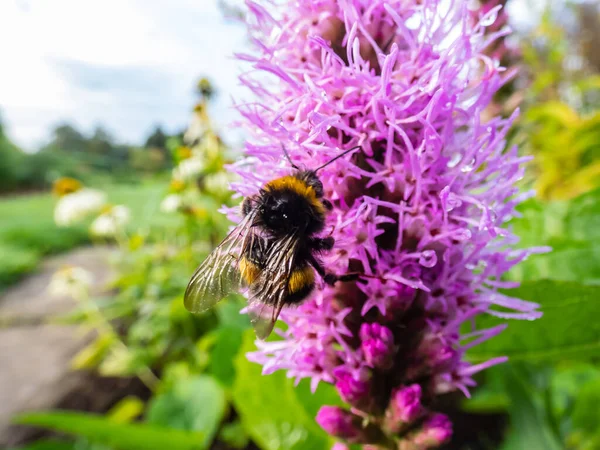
x: 421, y: 209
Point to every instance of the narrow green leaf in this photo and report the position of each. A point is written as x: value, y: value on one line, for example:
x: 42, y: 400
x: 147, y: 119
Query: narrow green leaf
x: 566, y: 331
x: 194, y: 404
x: 120, y: 436
x: 270, y: 410
x: 48, y: 444
x: 586, y: 414
x: 528, y: 427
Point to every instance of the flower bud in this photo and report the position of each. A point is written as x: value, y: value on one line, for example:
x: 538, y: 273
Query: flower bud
x: 354, y: 387
x: 405, y: 407
x: 377, y: 345
x: 349, y: 427
x: 339, y: 422
x: 435, y: 431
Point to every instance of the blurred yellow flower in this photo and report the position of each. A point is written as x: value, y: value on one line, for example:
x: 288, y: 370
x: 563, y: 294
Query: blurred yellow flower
x: 205, y: 88
x: 66, y: 185
x: 176, y: 186
x: 183, y: 152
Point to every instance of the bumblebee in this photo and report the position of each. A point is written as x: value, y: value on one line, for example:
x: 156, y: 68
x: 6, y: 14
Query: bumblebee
x: 273, y: 252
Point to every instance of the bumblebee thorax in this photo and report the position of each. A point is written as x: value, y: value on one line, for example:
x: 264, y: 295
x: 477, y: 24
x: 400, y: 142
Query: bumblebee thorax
x: 292, y: 203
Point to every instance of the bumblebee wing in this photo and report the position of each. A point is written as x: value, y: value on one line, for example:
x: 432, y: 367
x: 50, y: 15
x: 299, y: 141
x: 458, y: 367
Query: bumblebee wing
x: 219, y: 275
x: 268, y: 295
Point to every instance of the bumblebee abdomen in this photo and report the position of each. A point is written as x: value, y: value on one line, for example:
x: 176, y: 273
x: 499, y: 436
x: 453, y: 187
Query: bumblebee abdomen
x: 300, y: 284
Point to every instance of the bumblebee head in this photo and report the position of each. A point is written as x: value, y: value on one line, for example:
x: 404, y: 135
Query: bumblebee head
x: 292, y: 204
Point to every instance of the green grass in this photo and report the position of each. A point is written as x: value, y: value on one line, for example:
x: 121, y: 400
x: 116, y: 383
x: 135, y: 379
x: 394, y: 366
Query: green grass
x: 28, y: 232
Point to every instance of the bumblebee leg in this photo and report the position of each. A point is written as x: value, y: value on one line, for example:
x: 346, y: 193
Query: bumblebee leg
x: 320, y: 244
x: 327, y: 204
x: 332, y: 278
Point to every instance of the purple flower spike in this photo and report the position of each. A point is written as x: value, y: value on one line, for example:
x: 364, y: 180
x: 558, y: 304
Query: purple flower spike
x: 405, y: 407
x: 377, y: 343
x: 421, y: 208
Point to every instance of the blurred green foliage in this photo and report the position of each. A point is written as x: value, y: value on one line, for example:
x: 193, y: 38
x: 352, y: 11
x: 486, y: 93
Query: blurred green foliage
x: 28, y: 232
x: 93, y: 159
x: 561, y: 123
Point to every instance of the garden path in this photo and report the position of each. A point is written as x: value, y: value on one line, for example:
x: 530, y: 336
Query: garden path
x: 35, y: 351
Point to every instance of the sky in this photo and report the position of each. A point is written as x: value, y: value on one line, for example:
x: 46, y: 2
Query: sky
x: 125, y: 64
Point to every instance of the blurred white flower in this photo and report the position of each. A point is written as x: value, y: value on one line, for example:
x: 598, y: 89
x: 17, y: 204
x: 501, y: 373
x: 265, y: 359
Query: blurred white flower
x: 74, y: 207
x: 110, y: 222
x: 188, y: 169
x: 171, y: 203
x: 217, y: 183
x: 198, y: 126
x: 70, y: 281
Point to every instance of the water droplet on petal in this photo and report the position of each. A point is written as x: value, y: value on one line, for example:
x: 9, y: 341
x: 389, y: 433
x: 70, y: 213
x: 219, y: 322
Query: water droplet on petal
x: 454, y: 160
x: 489, y: 20
x: 468, y: 167
x: 462, y: 235
x: 428, y: 258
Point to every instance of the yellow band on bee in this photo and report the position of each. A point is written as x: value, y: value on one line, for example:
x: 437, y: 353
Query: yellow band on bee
x: 300, y: 279
x: 298, y: 186
x: 248, y: 270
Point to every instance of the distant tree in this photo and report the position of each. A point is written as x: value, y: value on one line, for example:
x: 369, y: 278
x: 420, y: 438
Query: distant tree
x: 67, y: 138
x: 101, y: 142
x: 158, y: 139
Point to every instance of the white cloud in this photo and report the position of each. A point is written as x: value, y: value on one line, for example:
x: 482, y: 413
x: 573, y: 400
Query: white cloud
x: 127, y: 64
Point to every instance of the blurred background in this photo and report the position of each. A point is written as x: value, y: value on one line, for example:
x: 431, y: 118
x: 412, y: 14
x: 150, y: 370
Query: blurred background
x: 115, y: 126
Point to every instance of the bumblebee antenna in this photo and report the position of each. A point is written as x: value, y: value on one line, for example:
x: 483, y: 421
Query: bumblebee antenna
x: 336, y: 157
x: 287, y: 156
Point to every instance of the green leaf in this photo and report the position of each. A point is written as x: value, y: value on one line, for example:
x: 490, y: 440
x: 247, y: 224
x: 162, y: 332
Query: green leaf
x: 270, y: 409
x: 226, y: 347
x: 228, y: 312
x: 195, y: 404
x: 135, y: 436
x: 568, y: 261
x: 126, y: 410
x: 583, y: 217
x: 490, y: 396
x: 586, y: 414
x: 568, y: 329
x: 324, y: 395
x: 234, y: 435
x: 528, y: 430
x: 572, y: 229
x: 566, y: 382
x: 48, y: 444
